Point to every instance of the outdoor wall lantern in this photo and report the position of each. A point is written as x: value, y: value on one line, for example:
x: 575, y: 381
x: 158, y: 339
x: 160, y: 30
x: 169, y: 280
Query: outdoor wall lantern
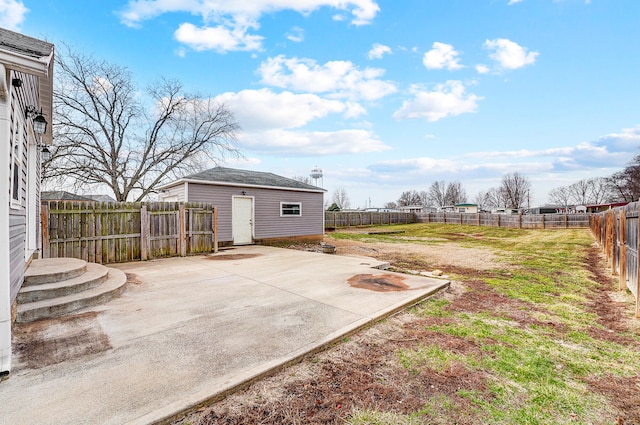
x: 39, y: 123
x: 46, y: 153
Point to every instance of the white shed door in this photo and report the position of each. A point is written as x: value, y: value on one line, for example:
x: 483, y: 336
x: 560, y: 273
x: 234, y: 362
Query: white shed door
x: 242, y: 220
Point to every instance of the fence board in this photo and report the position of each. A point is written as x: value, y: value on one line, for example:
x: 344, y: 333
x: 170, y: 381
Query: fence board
x: 105, y: 232
x: 337, y: 219
x: 617, y: 232
x: 513, y: 221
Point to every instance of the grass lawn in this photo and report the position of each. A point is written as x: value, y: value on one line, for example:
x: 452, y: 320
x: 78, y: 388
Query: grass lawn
x: 540, y: 336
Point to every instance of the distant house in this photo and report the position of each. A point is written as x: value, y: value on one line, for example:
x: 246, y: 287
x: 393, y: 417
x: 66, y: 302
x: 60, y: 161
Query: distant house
x: 411, y: 208
x: 26, y: 82
x: 61, y: 195
x: 547, y: 209
x: 461, y: 208
x: 466, y: 208
x: 253, y: 207
x: 604, y: 207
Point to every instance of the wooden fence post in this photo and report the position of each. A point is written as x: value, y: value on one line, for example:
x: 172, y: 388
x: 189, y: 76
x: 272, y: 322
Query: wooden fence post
x: 215, y: 230
x: 543, y: 221
x: 44, y: 218
x: 638, y: 271
x: 182, y: 230
x: 519, y: 221
x: 566, y: 224
x: 622, y: 282
x: 478, y: 219
x: 144, y: 233
x: 498, y: 220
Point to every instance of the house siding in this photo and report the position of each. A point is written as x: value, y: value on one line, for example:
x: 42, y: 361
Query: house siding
x: 268, y: 224
x: 25, y: 95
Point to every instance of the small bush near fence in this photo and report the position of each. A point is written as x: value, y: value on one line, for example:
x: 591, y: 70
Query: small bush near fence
x: 110, y: 232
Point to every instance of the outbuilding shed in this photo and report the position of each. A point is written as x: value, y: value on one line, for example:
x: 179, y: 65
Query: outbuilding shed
x: 253, y: 206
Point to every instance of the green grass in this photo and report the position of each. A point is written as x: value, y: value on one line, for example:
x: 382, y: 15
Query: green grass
x: 536, y: 373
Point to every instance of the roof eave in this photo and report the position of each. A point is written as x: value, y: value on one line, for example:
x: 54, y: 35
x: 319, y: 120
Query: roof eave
x: 219, y: 183
x: 43, y: 68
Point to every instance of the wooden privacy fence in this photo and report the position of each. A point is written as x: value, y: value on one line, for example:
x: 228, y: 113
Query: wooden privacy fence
x: 336, y: 219
x: 514, y: 221
x: 618, y: 232
x: 113, y: 232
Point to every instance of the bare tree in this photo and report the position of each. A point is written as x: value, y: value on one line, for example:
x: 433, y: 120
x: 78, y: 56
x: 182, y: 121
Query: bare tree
x: 625, y: 184
x: 561, y: 196
x: 455, y: 194
x: 391, y: 205
x: 442, y: 193
x: 341, y: 198
x: 516, y: 189
x: 495, y: 198
x: 302, y: 179
x: 409, y: 197
x: 106, y: 136
x: 581, y: 191
x: 601, y: 190
x: 438, y: 193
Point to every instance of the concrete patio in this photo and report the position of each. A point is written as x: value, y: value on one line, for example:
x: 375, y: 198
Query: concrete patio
x: 187, y: 330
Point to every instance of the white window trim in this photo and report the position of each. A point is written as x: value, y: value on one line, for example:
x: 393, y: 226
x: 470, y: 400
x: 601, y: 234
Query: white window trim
x: 17, y: 147
x: 299, y: 204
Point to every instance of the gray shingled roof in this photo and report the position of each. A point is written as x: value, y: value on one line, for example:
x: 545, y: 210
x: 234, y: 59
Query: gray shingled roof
x: 24, y: 45
x: 246, y: 177
x: 61, y: 195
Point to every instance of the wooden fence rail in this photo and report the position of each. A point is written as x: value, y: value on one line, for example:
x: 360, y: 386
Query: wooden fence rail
x: 110, y: 232
x: 514, y: 221
x: 618, y: 233
x: 337, y: 219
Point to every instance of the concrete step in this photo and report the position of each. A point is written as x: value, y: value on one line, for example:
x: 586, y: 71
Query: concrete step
x: 113, y: 286
x: 49, y: 270
x: 93, y: 276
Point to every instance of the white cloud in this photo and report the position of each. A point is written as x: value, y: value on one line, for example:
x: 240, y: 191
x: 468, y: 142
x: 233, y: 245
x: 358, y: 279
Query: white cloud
x: 12, y: 14
x: 232, y: 19
x: 378, y: 51
x: 263, y: 109
x: 513, y: 2
x: 274, y: 123
x: 296, y: 35
x: 441, y: 56
x: 448, y: 99
x: 482, y: 69
x: 286, y: 142
x: 220, y: 38
x: 508, y: 54
x: 609, y: 151
x: 340, y: 79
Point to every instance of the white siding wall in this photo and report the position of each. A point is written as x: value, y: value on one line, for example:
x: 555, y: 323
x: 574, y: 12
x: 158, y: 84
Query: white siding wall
x: 27, y: 94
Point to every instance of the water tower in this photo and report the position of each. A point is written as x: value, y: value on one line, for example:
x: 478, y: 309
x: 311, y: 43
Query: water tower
x: 316, y: 174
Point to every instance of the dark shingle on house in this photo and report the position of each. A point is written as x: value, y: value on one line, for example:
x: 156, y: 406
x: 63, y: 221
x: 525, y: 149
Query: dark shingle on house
x: 246, y: 177
x: 24, y: 45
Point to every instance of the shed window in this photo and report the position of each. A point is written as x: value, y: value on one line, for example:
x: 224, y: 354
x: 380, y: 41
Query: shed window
x: 290, y: 208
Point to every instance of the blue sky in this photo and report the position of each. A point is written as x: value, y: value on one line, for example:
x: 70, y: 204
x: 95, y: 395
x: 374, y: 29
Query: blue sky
x: 386, y: 95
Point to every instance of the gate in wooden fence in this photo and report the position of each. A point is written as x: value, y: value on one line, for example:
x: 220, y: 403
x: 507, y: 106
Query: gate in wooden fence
x: 618, y: 232
x: 110, y: 232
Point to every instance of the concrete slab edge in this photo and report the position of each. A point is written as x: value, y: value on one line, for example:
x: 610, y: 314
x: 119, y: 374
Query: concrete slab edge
x: 176, y: 410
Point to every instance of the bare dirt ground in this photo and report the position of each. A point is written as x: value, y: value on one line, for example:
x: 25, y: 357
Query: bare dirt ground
x: 363, y: 372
